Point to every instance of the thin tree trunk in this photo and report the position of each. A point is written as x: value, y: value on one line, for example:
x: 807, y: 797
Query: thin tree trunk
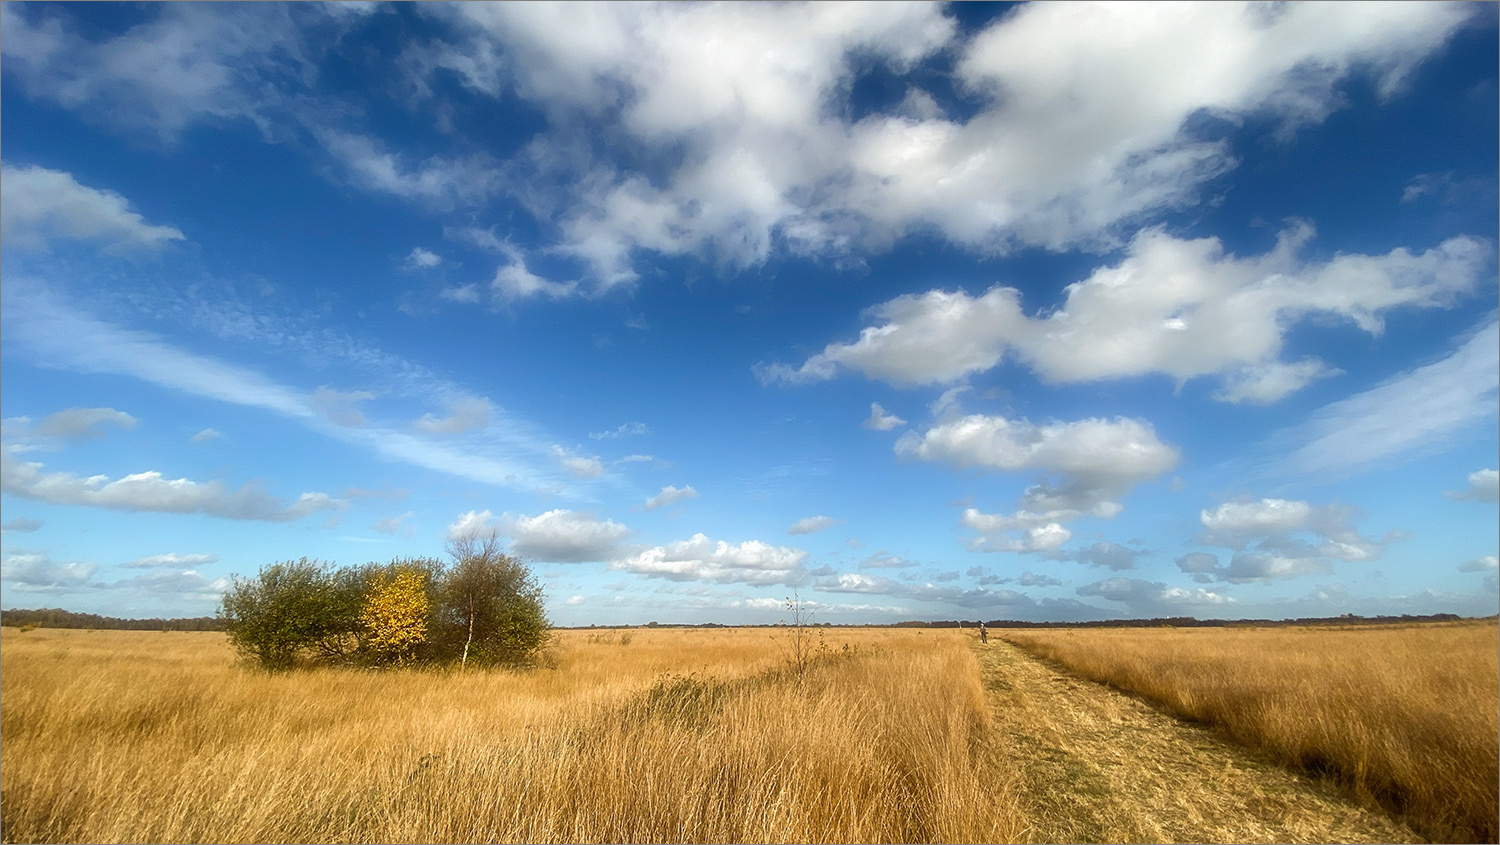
x: 463, y: 662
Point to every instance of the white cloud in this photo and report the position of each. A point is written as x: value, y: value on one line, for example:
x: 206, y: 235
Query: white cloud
x: 701, y: 559
x: 1484, y: 486
x: 186, y: 65
x: 1098, y: 462
x: 37, y: 571
x: 421, y: 259
x: 186, y: 585
x: 630, y: 429
x: 465, y: 414
x: 1413, y: 412
x: 670, y: 495
x: 564, y: 536
x: 206, y: 435
x: 1488, y: 563
x: 1082, y: 125
x: 443, y: 183
x: 73, y: 424
x: 879, y: 420
x: 172, y: 559
x: 1153, y: 597
x: 977, y: 598
x: 1275, y: 539
x: 21, y: 525
x: 340, y: 407
x: 1106, y: 554
x: 580, y: 466
x: 42, y: 205
x: 574, y: 601
x: 881, y: 560
x: 1180, y: 308
x: 813, y: 524
x: 393, y: 524
x: 1099, y: 450
x: 149, y: 491
x: 471, y: 525
x: 54, y: 335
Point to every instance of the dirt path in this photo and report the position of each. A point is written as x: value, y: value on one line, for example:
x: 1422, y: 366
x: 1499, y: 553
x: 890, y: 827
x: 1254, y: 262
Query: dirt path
x: 1096, y: 765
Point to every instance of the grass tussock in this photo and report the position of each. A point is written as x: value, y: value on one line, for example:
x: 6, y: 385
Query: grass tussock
x: 1405, y: 718
x: 683, y: 735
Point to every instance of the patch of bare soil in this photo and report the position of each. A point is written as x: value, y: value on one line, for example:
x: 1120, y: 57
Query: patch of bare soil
x: 1095, y: 765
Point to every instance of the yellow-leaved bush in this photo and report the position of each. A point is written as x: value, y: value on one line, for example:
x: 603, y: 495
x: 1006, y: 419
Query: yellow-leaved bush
x: 395, y: 615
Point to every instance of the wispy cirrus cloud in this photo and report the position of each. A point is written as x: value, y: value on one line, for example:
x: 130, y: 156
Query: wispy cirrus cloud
x: 52, y: 334
x: 1416, y: 411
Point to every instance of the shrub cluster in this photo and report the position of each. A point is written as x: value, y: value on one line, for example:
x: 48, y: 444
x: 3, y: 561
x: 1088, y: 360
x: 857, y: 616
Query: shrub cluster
x: 484, y: 609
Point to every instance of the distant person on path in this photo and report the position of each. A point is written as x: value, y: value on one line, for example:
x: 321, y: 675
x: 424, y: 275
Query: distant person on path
x: 984, y: 633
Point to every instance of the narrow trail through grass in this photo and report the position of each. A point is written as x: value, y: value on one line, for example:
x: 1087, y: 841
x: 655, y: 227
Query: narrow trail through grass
x: 1095, y: 765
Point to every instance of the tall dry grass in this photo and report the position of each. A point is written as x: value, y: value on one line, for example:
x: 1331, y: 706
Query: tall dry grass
x: 1407, y: 718
x: 668, y: 736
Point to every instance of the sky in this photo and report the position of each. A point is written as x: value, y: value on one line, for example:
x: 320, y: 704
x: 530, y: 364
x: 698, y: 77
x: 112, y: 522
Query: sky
x: 911, y: 311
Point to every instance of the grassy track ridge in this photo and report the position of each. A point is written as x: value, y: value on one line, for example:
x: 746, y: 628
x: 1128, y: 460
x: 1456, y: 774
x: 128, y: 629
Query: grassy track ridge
x: 1093, y: 765
x: 1405, y: 718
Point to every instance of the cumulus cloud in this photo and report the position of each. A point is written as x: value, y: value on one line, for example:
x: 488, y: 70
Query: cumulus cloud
x: 1082, y: 124
x: 37, y: 571
x: 1153, y: 597
x: 701, y: 559
x: 1487, y: 563
x: 207, y: 435
x: 1484, y: 486
x: 472, y: 525
x: 670, y: 495
x: 465, y: 414
x: 879, y: 420
x: 564, y: 536
x: 171, y: 559
x: 150, y: 492
x: 1097, y: 460
x: 813, y: 524
x: 1412, y: 413
x: 1276, y: 539
x: 1097, y: 450
x: 42, y: 205
x: 1180, y: 308
x: 21, y: 525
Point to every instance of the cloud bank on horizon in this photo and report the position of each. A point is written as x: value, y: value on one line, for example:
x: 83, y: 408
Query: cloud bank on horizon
x: 1054, y: 311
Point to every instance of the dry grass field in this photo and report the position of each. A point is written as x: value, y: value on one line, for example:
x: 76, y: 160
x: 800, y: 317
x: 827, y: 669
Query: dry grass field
x: 646, y: 735
x: 1407, y: 718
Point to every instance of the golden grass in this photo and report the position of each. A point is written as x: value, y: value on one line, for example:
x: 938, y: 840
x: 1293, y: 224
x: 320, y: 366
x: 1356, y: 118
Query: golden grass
x: 1407, y: 718
x: 673, y: 736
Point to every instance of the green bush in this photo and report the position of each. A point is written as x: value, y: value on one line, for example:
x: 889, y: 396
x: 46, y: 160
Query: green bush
x: 486, y: 609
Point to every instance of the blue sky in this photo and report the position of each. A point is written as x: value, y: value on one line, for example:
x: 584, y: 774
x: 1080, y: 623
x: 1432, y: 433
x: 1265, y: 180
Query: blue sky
x: 921, y: 311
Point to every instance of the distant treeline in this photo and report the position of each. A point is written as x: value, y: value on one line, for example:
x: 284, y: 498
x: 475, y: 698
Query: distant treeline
x: 1190, y: 622
x: 57, y: 618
